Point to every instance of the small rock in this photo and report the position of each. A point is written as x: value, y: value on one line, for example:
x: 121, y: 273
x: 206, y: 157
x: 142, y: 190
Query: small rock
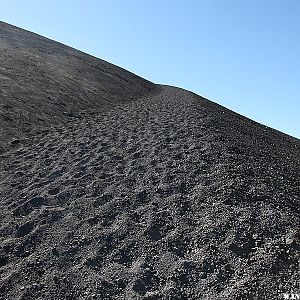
x: 289, y: 240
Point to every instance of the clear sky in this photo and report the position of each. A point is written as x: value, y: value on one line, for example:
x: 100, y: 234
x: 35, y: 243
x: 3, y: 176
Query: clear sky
x: 244, y: 55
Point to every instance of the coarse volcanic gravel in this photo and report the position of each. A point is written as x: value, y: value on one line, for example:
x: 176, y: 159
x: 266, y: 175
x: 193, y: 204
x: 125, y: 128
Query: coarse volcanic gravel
x: 153, y: 193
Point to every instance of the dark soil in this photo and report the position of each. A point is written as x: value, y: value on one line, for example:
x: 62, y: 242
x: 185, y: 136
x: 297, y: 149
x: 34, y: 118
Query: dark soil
x: 112, y: 187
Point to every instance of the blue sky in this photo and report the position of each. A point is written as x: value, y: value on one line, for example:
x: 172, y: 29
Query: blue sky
x: 244, y: 55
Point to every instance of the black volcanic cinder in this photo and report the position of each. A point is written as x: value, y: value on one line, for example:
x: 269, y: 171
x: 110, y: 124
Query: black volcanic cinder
x: 112, y: 187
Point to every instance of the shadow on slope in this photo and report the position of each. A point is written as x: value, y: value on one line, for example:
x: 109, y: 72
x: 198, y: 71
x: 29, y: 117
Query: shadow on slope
x: 44, y: 83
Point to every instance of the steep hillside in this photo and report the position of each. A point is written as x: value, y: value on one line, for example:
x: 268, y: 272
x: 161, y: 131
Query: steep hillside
x: 147, y: 192
x: 45, y: 83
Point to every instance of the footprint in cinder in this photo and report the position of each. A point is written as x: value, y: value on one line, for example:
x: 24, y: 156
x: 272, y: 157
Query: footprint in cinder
x: 136, y: 217
x: 95, y: 262
x: 24, y: 229
x: 123, y: 256
x: 153, y: 232
x: 53, y: 191
x: 37, y: 201
x: 104, y: 198
x: 78, y: 175
x: 19, y: 174
x: 7, y: 107
x: 27, y: 207
x: 136, y: 155
x: 55, y: 174
x: 142, y: 196
x: 145, y: 280
x: 15, y: 142
x: 117, y: 157
x: 3, y: 260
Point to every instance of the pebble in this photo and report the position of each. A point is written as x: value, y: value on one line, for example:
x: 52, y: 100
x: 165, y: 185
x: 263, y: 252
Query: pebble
x: 289, y: 241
